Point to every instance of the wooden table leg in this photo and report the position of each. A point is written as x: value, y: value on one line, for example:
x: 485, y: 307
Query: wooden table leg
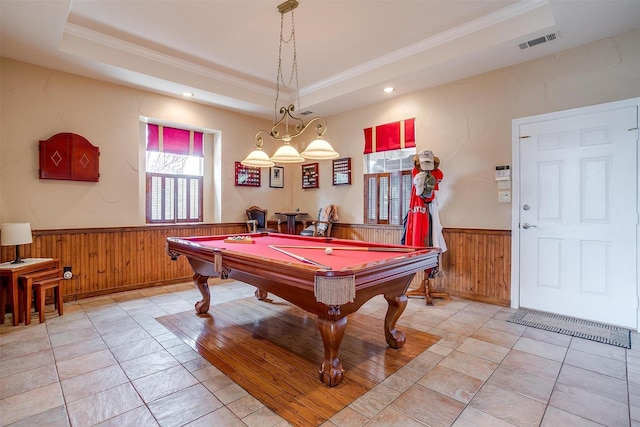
x: 261, y: 295
x: 200, y: 281
x: 332, y: 331
x: 3, y: 299
x: 15, y: 300
x: 397, y: 304
x: 28, y: 295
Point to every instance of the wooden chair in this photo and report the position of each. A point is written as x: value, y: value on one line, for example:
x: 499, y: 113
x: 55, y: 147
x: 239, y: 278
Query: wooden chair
x: 39, y: 282
x: 257, y: 221
x: 321, y: 227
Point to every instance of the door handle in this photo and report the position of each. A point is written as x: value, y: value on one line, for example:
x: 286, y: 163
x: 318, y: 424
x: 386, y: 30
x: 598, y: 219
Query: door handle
x: 527, y: 226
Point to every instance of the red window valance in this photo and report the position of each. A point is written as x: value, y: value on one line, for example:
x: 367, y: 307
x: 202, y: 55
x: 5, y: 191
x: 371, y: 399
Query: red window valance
x: 392, y: 136
x: 173, y: 140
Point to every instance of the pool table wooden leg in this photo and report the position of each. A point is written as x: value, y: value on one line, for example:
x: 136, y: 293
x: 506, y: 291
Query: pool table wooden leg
x: 261, y: 295
x: 397, y: 304
x: 200, y: 281
x: 332, y: 331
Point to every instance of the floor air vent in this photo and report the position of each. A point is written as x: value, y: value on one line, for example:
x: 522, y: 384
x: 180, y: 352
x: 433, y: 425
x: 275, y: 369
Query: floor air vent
x: 538, y: 41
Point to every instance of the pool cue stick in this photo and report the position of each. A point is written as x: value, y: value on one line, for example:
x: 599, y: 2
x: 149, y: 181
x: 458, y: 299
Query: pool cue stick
x: 300, y: 258
x: 350, y: 248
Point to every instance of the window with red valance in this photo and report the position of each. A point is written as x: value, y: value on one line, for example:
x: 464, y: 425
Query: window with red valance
x: 175, y: 169
x: 388, y: 159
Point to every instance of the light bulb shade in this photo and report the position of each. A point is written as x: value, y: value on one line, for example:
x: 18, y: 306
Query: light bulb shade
x: 258, y: 159
x: 320, y: 149
x: 17, y: 233
x: 287, y: 154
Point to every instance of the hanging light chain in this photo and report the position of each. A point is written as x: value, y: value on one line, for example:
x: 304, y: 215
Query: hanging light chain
x: 318, y: 149
x: 294, y: 65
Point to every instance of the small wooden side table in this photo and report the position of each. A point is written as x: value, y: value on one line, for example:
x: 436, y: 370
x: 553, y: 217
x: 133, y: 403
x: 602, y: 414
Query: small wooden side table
x: 11, y: 273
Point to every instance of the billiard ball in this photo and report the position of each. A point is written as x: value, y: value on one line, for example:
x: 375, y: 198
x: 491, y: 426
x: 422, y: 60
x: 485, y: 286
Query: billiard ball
x: 328, y: 251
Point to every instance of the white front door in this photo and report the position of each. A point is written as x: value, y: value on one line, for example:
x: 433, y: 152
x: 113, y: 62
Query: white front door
x: 578, y: 216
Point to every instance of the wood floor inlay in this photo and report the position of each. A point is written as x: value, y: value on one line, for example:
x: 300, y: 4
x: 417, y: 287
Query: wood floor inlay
x: 273, y: 350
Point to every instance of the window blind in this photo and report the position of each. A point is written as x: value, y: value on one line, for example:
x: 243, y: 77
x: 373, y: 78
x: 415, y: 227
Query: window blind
x: 390, y: 136
x: 167, y: 139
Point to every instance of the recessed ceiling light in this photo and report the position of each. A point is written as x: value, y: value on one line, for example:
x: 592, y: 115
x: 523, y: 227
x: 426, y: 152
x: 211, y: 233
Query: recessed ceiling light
x: 187, y: 94
x: 389, y: 89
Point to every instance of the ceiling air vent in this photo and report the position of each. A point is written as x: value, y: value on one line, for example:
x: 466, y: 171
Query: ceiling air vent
x: 306, y: 113
x: 538, y: 41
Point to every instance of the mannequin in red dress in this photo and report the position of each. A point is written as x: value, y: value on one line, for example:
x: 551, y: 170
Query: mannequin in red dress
x: 426, y: 176
x: 419, y: 225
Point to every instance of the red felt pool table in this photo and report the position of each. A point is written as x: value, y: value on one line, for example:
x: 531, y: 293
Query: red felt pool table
x: 298, y: 270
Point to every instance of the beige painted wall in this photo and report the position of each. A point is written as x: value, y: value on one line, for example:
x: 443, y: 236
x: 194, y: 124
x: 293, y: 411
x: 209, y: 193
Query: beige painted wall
x: 38, y: 102
x: 466, y: 123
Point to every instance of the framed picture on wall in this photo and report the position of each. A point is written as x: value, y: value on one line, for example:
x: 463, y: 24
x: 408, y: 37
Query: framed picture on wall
x: 247, y: 176
x: 276, y: 177
x: 342, y: 171
x: 310, y: 176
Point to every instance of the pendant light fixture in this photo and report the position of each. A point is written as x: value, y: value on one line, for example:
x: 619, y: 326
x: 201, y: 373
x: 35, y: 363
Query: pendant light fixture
x: 318, y: 149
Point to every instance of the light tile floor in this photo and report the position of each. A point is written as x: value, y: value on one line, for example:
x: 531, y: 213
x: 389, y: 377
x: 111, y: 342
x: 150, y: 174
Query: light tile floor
x: 108, y: 362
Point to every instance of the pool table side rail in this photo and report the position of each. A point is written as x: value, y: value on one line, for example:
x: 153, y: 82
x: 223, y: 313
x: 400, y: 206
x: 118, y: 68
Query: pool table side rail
x: 299, y: 274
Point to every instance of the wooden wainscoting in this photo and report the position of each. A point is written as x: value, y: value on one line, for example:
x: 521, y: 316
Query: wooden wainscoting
x: 477, y: 264
x: 105, y: 260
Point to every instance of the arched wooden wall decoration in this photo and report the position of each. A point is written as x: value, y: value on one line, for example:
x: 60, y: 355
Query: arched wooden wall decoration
x: 68, y: 156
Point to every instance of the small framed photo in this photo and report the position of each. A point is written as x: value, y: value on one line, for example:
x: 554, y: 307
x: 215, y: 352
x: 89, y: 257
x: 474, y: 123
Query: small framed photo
x: 310, y: 176
x: 276, y: 177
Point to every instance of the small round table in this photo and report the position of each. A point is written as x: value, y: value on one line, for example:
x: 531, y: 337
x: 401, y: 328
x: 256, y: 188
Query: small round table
x: 291, y: 220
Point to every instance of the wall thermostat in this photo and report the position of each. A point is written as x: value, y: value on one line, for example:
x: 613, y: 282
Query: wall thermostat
x: 503, y: 173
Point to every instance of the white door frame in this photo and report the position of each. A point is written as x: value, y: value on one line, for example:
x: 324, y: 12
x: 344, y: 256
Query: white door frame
x: 515, y: 195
